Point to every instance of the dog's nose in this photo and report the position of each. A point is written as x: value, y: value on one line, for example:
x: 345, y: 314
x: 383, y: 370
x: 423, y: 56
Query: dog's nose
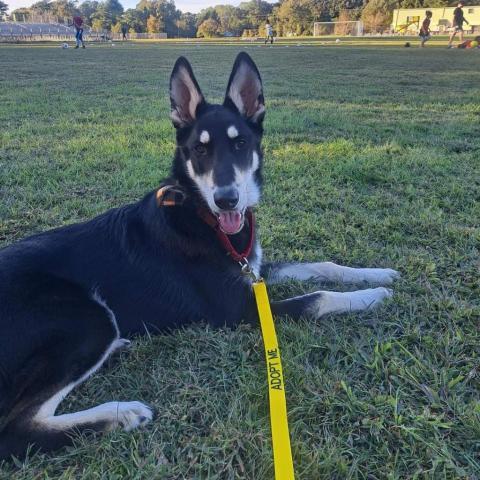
x: 226, y: 198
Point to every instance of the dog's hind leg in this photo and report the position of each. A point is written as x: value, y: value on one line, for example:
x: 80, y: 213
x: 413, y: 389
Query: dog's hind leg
x: 327, y: 272
x: 128, y: 415
x: 322, y: 303
x: 77, y: 335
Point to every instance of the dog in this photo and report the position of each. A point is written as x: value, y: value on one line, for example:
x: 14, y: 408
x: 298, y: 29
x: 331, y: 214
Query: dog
x: 71, y: 296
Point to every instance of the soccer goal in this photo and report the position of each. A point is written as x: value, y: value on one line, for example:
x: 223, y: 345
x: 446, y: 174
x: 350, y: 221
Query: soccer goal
x: 353, y: 28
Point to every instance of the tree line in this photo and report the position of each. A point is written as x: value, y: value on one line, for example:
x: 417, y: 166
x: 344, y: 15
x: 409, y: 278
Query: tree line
x: 288, y: 17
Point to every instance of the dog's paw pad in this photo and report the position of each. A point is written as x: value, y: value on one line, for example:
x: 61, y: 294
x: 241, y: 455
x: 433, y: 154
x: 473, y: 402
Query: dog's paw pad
x: 132, y: 415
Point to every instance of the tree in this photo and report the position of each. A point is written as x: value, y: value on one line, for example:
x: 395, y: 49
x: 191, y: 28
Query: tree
x: 42, y: 7
x: 114, y: 9
x: 326, y: 10
x: 231, y: 19
x: 209, y: 28
x: 63, y: 8
x: 87, y: 10
x: 295, y: 17
x: 101, y: 19
x: 21, y: 14
x: 412, y: 4
x: 424, y: 3
x: 377, y: 15
x: 346, y: 16
x: 255, y: 13
x: 135, y: 19
x: 97, y: 25
x: 250, y: 15
x: 117, y: 27
x: 165, y: 11
x: 102, y: 15
x: 206, y: 14
x: 153, y: 24
x: 3, y: 9
x: 187, y: 25
x: 349, y: 15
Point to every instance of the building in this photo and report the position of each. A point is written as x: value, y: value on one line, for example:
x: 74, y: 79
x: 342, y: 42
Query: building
x: 409, y: 20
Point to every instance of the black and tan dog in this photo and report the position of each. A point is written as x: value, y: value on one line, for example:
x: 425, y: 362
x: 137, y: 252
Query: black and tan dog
x: 70, y: 297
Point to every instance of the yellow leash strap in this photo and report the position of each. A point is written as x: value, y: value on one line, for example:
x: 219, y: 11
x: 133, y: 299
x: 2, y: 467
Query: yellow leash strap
x: 282, y: 453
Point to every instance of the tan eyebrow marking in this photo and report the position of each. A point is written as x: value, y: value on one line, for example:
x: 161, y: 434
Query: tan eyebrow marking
x: 232, y: 131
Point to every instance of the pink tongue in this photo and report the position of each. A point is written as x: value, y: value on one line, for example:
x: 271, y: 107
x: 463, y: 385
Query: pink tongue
x: 230, y: 222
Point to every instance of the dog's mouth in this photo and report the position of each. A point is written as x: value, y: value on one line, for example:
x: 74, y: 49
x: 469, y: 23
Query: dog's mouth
x: 231, y: 221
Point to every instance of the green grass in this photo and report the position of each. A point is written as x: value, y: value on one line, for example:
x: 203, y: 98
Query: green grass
x: 324, y: 40
x: 372, y: 159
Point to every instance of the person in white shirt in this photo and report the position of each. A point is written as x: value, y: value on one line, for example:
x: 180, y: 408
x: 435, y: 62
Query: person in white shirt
x: 268, y: 33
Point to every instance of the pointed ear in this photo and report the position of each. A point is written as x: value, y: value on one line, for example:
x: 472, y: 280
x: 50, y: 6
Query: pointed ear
x: 244, y: 90
x: 185, y: 94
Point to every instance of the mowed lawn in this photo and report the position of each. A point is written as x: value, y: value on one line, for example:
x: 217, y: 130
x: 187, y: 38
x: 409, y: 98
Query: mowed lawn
x: 371, y: 159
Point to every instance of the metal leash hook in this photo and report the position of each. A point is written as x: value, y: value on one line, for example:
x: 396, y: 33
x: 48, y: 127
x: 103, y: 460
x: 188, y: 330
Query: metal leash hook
x: 247, y: 270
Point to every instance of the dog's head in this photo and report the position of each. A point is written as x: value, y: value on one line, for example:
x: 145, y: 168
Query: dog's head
x: 218, y: 146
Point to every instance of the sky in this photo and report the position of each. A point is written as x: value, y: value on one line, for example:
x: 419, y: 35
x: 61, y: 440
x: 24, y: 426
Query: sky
x: 183, y: 5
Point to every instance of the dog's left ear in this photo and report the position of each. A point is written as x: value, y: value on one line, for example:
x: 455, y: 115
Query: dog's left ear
x: 244, y: 90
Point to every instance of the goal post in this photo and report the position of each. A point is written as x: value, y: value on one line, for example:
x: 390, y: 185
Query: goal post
x: 352, y: 28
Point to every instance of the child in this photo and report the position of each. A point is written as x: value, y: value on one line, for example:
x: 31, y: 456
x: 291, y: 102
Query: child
x: 425, y: 29
x: 268, y: 33
x: 468, y: 43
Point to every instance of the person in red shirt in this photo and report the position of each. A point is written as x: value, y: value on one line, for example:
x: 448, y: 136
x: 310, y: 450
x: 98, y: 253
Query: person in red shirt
x: 425, y: 28
x: 78, y: 24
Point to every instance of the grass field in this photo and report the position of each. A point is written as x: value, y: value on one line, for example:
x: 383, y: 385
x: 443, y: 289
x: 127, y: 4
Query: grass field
x: 324, y: 40
x: 372, y: 159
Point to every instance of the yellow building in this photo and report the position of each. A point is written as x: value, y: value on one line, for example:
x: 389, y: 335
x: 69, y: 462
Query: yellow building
x: 409, y: 20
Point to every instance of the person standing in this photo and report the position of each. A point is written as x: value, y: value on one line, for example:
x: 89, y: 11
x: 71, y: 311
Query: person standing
x: 78, y: 24
x: 425, y: 29
x: 268, y: 33
x: 458, y: 20
x: 124, y: 31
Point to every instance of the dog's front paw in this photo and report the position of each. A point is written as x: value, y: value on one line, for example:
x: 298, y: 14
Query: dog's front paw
x: 379, y: 276
x: 121, y: 344
x: 369, y: 298
x: 339, y: 302
x: 131, y: 415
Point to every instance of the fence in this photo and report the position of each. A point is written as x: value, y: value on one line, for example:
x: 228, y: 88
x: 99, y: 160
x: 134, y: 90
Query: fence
x: 37, y: 32
x: 139, y: 36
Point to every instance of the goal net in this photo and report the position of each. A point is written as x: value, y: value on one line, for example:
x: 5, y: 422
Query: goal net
x: 353, y: 28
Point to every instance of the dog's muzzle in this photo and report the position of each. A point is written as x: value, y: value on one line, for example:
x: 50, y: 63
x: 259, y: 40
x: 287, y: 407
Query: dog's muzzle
x: 230, y: 219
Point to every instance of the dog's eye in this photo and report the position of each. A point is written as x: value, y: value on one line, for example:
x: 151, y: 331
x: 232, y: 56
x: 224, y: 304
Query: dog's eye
x: 201, y: 149
x: 240, y: 144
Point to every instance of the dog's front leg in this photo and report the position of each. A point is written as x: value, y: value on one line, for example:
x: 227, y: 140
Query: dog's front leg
x: 321, y: 303
x: 327, y: 272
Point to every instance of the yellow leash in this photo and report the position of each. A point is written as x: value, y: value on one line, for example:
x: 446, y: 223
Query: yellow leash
x: 282, y: 453
x: 172, y: 195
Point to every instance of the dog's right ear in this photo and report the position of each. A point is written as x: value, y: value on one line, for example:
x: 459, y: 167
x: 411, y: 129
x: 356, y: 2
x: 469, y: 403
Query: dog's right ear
x: 185, y: 94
